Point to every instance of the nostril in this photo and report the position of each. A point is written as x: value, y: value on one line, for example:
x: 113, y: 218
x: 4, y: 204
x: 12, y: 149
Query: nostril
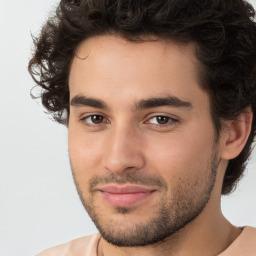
x: 116, y: 170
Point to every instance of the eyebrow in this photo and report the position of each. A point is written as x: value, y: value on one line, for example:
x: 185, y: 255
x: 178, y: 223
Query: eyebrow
x: 80, y: 100
x: 169, y: 101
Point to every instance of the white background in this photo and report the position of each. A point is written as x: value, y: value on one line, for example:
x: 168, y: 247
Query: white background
x: 39, y: 206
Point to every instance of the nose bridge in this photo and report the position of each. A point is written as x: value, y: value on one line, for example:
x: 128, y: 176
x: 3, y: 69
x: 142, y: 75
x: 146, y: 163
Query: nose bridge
x: 123, y: 151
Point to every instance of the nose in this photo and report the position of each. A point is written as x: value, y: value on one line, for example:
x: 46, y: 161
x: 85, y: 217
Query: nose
x: 124, y: 151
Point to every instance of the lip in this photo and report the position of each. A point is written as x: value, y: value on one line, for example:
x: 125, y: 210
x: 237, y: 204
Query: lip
x: 125, y: 196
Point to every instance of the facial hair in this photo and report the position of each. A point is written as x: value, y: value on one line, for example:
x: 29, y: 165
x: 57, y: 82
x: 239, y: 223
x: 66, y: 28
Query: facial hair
x: 169, y: 214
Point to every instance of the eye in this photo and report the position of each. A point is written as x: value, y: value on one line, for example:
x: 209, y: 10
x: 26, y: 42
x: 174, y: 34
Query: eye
x: 161, y: 121
x: 92, y: 120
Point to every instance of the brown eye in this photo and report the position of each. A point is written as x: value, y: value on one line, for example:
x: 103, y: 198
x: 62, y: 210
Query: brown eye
x: 96, y: 119
x: 162, y: 119
x: 97, y: 122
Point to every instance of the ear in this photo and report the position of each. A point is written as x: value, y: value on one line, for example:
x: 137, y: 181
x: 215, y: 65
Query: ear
x: 236, y: 134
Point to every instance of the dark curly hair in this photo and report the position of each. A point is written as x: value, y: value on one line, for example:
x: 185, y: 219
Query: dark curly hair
x: 223, y: 31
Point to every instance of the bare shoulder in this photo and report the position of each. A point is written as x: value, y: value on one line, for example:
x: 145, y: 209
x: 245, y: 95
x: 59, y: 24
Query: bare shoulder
x: 245, y: 244
x: 250, y: 236
x: 77, y: 247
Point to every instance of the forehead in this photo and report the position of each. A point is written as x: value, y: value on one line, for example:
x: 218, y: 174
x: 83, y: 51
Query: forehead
x: 105, y: 50
x: 107, y: 66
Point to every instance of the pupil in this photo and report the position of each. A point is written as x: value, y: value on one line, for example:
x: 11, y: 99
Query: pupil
x: 162, y: 119
x: 97, y: 119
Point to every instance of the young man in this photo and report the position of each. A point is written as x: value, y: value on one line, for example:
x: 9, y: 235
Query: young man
x: 160, y: 101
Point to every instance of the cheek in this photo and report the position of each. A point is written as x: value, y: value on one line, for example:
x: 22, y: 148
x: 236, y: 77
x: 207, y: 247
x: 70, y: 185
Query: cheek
x: 181, y: 154
x: 84, y: 153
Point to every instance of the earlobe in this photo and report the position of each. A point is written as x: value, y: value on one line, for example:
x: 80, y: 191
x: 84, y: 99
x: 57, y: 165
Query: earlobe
x: 237, y: 134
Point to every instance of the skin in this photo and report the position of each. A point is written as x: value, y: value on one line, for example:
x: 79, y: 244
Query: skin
x: 127, y: 145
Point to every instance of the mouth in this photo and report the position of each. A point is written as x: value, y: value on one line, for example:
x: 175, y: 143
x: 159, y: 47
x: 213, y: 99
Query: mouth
x: 125, y: 196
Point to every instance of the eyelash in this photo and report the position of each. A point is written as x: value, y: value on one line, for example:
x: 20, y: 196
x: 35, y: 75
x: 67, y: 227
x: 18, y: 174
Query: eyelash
x: 83, y: 120
x: 171, y: 121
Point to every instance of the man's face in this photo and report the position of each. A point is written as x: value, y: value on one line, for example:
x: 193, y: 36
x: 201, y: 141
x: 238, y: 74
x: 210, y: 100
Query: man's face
x: 141, y: 139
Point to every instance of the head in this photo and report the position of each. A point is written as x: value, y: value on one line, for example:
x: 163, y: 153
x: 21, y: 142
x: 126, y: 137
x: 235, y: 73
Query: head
x: 124, y: 58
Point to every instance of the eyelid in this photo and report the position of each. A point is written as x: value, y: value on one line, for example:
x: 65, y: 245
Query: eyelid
x: 91, y: 113
x: 171, y: 122
x: 152, y: 115
x: 88, y: 115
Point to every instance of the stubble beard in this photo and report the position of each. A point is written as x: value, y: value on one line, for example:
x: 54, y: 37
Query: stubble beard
x: 169, y: 215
